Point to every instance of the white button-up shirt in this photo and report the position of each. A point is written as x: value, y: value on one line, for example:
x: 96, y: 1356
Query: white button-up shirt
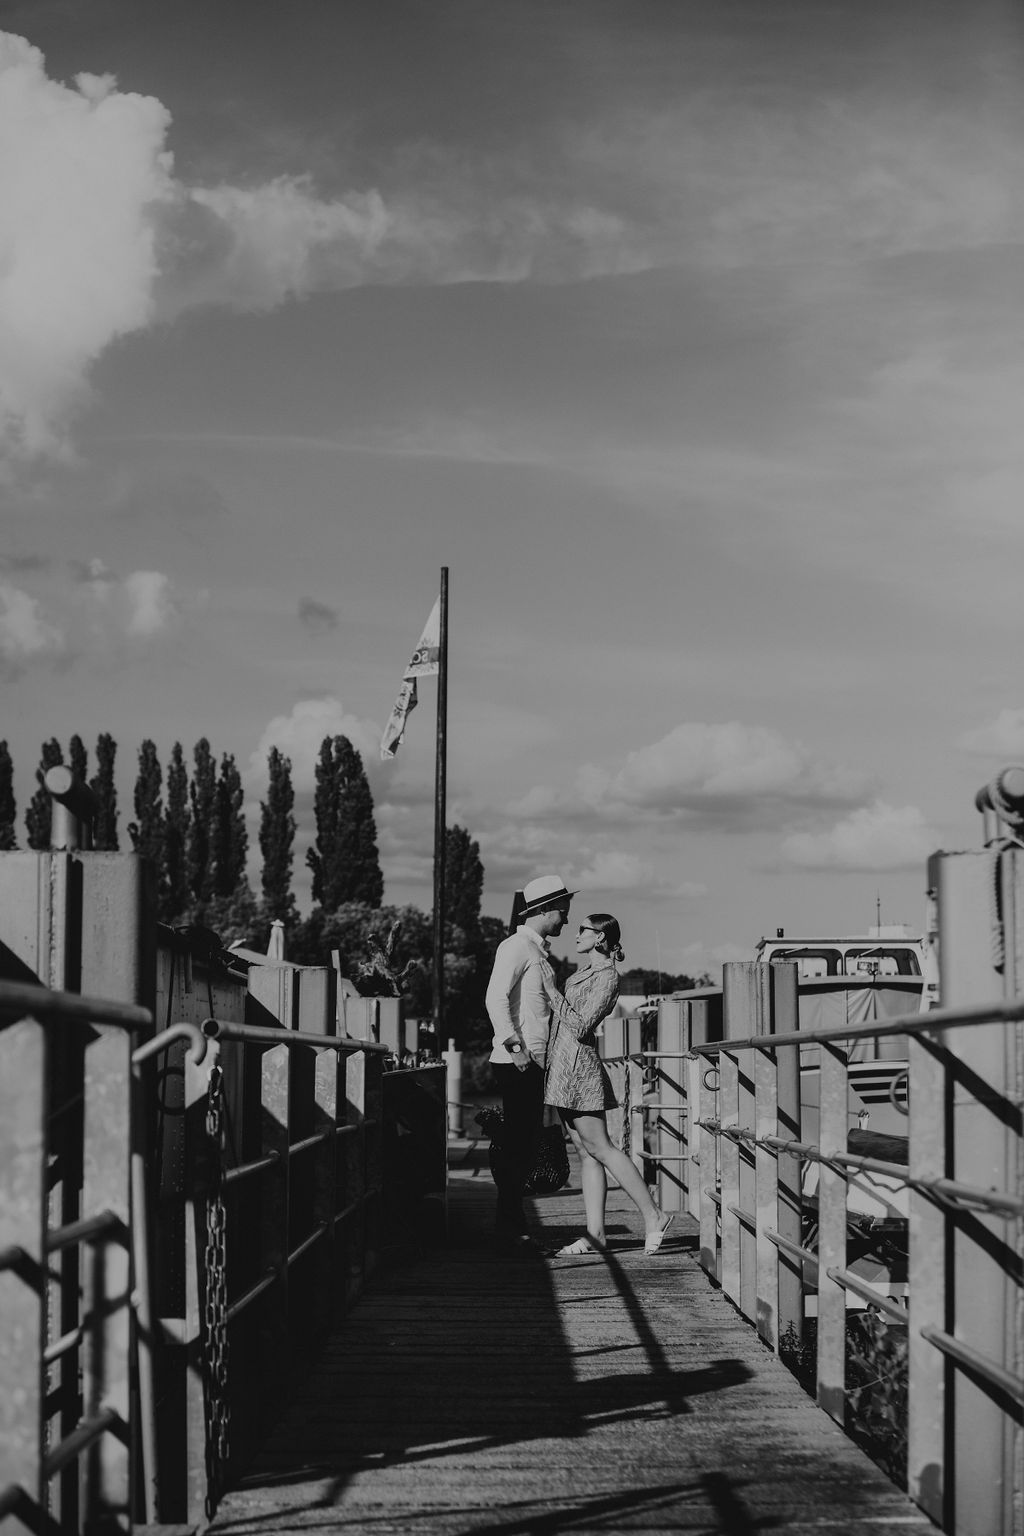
x: 516, y: 1001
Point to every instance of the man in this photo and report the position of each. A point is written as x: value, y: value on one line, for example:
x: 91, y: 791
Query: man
x: 520, y: 1016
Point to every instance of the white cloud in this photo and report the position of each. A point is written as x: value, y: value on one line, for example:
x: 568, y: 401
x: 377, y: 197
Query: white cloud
x: 80, y: 168
x: 615, y: 870
x: 732, y: 775
x: 299, y: 735
x: 24, y: 632
x: 875, y: 837
x: 151, y: 604
x: 1002, y: 736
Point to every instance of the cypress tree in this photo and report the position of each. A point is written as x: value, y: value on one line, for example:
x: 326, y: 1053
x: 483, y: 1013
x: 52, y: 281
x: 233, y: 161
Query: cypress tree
x: 104, y: 831
x: 39, y: 816
x: 277, y: 836
x: 202, y: 794
x: 174, y: 899
x: 78, y: 759
x: 345, y: 861
x: 463, y: 881
x: 230, y: 840
x: 8, y: 808
x: 147, y: 830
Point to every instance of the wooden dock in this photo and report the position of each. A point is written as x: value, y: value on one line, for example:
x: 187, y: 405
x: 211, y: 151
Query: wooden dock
x: 469, y: 1392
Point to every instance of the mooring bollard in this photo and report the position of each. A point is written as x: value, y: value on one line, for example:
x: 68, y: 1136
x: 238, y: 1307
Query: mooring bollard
x: 453, y: 1064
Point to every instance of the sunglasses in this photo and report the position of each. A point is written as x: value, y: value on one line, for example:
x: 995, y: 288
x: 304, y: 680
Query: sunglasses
x: 587, y: 928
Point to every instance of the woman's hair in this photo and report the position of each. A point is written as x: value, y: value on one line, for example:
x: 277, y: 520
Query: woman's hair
x: 610, y: 932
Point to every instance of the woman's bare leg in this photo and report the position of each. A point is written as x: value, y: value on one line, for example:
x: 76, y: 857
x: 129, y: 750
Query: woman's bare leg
x: 595, y: 1187
x: 592, y: 1132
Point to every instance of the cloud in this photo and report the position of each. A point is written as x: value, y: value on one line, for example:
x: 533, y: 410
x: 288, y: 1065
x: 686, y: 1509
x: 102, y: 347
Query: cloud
x: 150, y: 601
x: 139, y: 605
x: 614, y: 870
x: 80, y: 169
x: 875, y: 837
x: 299, y: 735
x: 24, y: 633
x: 317, y: 617
x: 1003, y: 736
x: 729, y: 775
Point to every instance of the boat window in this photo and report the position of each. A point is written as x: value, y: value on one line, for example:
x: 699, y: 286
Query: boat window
x: 880, y: 961
x: 812, y: 962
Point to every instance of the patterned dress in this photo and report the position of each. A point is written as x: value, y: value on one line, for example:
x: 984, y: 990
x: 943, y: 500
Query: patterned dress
x: 575, y: 1078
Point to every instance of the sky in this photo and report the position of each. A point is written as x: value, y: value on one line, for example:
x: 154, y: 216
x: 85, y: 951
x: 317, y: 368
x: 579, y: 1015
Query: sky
x: 689, y: 337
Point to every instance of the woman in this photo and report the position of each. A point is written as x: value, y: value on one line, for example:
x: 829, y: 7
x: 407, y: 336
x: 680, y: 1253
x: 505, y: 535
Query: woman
x: 577, y: 1084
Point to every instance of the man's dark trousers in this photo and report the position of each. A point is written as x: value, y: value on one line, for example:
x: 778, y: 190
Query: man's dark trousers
x: 522, y: 1107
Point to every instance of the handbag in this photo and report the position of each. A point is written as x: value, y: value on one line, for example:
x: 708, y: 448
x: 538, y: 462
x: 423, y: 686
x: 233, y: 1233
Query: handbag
x: 550, y: 1171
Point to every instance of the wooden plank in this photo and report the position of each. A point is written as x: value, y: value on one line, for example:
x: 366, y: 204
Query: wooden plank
x: 470, y: 1392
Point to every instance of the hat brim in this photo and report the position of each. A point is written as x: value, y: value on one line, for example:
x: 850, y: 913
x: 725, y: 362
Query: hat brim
x: 547, y: 903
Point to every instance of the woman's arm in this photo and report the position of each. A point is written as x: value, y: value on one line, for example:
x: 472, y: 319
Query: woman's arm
x: 594, y: 999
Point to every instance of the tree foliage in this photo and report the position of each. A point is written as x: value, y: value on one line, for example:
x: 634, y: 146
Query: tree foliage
x: 8, y: 807
x: 345, y: 862
x: 78, y: 759
x: 39, y: 815
x: 174, y: 898
x: 229, y: 841
x: 202, y: 795
x: 277, y: 837
x: 104, y: 829
x: 463, y: 881
x: 147, y: 830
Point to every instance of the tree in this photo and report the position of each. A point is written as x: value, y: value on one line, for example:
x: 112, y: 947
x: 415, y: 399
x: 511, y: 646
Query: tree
x: 174, y: 896
x: 104, y: 829
x: 277, y: 837
x: 8, y: 808
x: 229, y: 843
x: 147, y: 830
x: 345, y: 861
x: 39, y: 816
x: 463, y: 881
x: 202, y: 794
x: 78, y: 759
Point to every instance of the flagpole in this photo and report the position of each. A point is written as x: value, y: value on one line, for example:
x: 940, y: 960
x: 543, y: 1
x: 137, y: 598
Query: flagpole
x: 440, y: 826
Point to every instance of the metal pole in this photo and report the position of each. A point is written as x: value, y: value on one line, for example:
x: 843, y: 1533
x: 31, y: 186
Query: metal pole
x: 440, y: 828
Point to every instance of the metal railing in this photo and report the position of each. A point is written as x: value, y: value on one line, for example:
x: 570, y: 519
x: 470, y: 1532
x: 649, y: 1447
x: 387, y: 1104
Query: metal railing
x: 182, y: 1217
x: 716, y: 1124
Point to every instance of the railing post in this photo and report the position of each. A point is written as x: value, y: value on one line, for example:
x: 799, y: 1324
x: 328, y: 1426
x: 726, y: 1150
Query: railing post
x: 777, y: 1094
x: 710, y: 1078
x: 832, y: 1232
x: 327, y: 1295
x: 672, y: 1116
x: 965, y: 1447
x: 106, y: 1272
x: 747, y: 1004
x: 22, y: 1287
x: 275, y: 1117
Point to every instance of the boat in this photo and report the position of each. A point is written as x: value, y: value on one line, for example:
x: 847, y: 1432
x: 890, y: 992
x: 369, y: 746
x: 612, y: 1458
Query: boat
x: 844, y: 979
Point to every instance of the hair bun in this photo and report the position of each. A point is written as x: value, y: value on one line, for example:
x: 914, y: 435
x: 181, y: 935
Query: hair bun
x: 616, y: 953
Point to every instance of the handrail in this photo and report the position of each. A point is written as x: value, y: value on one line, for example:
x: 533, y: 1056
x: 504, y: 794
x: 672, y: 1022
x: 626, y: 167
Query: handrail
x: 72, y: 1007
x: 904, y: 1024
x: 1011, y: 1385
x: 259, y: 1034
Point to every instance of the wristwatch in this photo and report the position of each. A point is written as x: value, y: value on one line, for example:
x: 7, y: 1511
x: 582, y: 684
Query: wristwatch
x: 514, y: 1046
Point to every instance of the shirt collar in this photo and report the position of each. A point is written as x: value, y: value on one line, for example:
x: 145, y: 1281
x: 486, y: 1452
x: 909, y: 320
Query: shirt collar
x: 535, y: 937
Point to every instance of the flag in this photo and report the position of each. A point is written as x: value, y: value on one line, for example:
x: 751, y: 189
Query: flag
x: 425, y: 661
x: 401, y: 709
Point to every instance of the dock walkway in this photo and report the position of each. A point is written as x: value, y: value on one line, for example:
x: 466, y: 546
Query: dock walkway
x: 470, y: 1393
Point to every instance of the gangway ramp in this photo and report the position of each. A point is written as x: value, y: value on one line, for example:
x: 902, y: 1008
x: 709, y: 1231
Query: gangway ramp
x: 468, y: 1392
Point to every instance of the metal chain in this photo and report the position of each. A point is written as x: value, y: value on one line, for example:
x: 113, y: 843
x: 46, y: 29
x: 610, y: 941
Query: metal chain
x: 627, y: 1110
x: 215, y: 1309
